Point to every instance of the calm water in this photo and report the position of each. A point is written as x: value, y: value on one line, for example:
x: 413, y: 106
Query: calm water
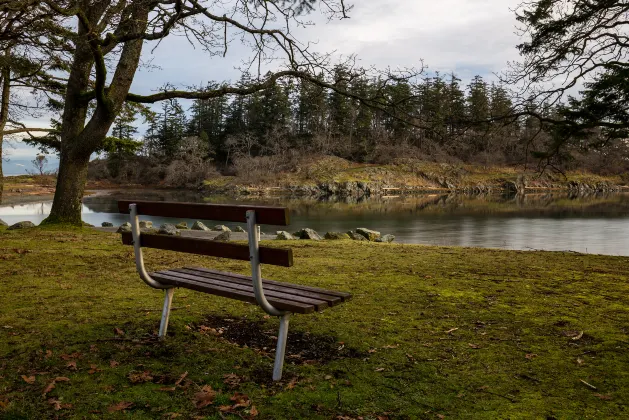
x: 597, y: 224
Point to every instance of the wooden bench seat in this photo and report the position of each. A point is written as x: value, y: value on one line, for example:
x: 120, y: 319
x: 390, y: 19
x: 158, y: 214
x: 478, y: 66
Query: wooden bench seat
x: 284, y: 296
x: 275, y: 298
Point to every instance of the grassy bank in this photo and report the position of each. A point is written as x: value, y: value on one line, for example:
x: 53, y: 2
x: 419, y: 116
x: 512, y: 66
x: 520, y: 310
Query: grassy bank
x: 431, y: 333
x: 404, y: 174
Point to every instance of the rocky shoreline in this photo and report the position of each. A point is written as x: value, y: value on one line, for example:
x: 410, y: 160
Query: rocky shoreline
x: 224, y: 233
x: 358, y: 189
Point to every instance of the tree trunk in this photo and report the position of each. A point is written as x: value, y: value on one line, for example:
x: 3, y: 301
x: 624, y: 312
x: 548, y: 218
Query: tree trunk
x: 4, y: 109
x: 67, y: 204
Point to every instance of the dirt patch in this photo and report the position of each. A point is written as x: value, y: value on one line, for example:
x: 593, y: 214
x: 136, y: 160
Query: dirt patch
x: 302, y: 348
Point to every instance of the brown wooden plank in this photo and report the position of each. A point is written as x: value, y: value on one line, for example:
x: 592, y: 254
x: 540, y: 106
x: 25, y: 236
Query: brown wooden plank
x: 273, y: 256
x: 343, y: 295
x: 285, y: 288
x: 317, y: 303
x: 220, y: 212
x: 234, y: 294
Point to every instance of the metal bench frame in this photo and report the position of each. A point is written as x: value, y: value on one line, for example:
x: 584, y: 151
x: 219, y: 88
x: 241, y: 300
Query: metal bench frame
x: 256, y: 276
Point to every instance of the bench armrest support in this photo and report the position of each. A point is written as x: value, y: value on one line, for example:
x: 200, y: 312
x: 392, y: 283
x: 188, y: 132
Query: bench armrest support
x: 139, y: 260
x: 256, y: 272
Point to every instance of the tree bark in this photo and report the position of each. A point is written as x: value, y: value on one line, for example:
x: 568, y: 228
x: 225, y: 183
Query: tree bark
x: 67, y: 204
x: 78, y: 138
x: 4, y: 110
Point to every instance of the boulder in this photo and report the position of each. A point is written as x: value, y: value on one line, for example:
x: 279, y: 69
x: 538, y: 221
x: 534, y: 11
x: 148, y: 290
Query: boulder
x: 182, y: 226
x: 125, y: 227
x: 21, y: 225
x: 168, y: 229
x: 386, y: 238
x: 221, y: 228
x: 223, y: 237
x: 336, y: 235
x: 200, y: 226
x: 149, y: 231
x: 239, y: 229
x: 371, y: 235
x: 308, y: 233
x: 282, y: 235
x: 3, y: 223
x: 107, y: 224
x: 356, y: 236
x: 145, y: 224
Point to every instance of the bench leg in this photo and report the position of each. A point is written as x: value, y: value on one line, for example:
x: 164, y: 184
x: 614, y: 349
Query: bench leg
x: 168, y: 300
x: 281, y: 348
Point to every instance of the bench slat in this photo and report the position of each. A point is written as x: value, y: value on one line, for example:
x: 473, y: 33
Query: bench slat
x: 343, y: 295
x: 318, y: 303
x: 199, y: 286
x: 285, y: 288
x: 273, y: 256
x: 218, y: 212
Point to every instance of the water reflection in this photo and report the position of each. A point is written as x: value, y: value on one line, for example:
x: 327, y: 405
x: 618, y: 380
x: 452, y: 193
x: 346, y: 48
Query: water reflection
x: 592, y: 224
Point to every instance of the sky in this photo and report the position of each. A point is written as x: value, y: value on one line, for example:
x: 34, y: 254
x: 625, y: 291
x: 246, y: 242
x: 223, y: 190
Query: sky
x: 467, y: 37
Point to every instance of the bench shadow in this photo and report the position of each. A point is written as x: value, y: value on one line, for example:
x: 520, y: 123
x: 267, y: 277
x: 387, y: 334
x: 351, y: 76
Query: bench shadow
x: 302, y: 348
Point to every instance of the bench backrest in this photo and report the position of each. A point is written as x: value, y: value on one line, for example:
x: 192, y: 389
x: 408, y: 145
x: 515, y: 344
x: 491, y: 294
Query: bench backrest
x: 217, y: 212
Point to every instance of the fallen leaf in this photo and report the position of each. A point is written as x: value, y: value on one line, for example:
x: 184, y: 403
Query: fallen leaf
x: 29, y: 379
x: 93, y: 369
x: 118, y: 331
x: 579, y: 361
x: 253, y: 411
x: 473, y: 346
x: 232, y: 380
x: 48, y: 354
x: 240, y: 400
x: 71, y: 365
x: 181, y: 378
x: 49, y: 388
x: 372, y: 351
x: 204, y: 397
x: 603, y: 397
x: 121, y: 406
x: 381, y: 369
x: 224, y: 408
x: 292, y: 383
x: 450, y: 331
x: 531, y: 356
x: 168, y: 389
x: 58, y: 405
x: 62, y: 379
x: 578, y: 336
x: 441, y: 416
x: 141, y: 377
x: 75, y: 355
x: 391, y: 346
x: 113, y: 364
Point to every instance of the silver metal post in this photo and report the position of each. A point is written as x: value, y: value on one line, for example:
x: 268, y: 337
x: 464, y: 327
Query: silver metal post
x: 168, y: 300
x: 281, y: 348
x: 256, y: 272
x: 139, y: 261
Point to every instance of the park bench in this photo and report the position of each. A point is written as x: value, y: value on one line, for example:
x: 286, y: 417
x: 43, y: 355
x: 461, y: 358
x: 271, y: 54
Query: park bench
x: 276, y: 298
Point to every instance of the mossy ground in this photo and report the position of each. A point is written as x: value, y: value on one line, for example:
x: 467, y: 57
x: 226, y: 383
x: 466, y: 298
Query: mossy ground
x: 437, y: 333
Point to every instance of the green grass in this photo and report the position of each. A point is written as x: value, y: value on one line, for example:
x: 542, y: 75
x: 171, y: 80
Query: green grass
x: 439, y: 333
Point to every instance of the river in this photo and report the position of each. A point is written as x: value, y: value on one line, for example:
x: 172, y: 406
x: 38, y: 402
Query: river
x: 596, y: 224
